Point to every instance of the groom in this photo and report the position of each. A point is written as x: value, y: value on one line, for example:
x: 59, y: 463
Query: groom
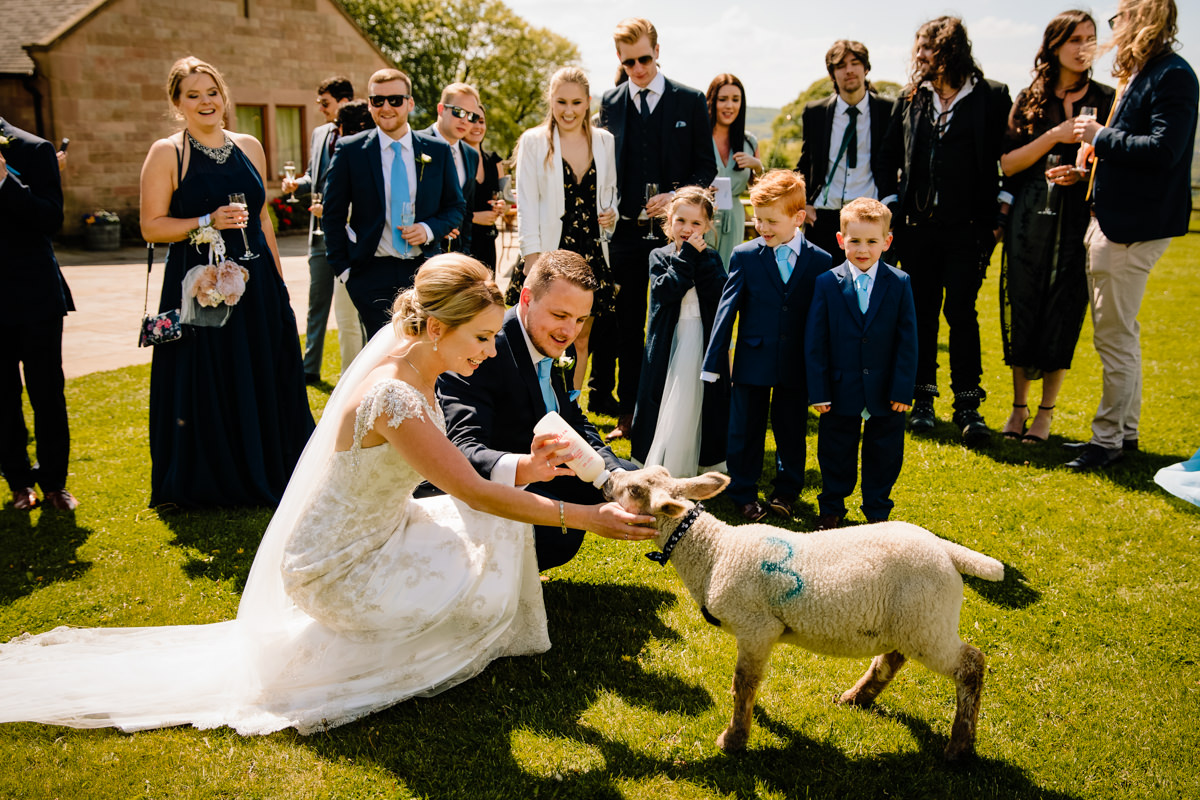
x: 490, y: 415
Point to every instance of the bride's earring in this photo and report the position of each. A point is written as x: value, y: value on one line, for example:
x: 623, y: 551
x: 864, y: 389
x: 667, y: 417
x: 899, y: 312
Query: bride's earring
x: 435, y: 345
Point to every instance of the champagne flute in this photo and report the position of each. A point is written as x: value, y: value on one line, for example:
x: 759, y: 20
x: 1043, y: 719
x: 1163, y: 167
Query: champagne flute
x: 651, y: 191
x: 1052, y: 160
x: 1088, y: 111
x: 408, y: 216
x: 609, y: 200
x: 317, y: 199
x: 289, y: 172
x: 238, y: 200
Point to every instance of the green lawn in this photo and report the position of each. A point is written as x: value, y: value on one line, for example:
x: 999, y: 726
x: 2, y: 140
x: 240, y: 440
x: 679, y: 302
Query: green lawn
x: 1093, y: 687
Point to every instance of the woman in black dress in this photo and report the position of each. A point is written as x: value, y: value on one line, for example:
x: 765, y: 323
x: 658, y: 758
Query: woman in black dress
x: 488, y: 205
x: 229, y: 412
x: 1043, y: 285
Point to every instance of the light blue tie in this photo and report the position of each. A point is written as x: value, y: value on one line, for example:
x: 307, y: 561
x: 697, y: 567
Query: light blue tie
x: 543, y: 373
x: 781, y: 260
x: 860, y: 283
x: 400, y: 194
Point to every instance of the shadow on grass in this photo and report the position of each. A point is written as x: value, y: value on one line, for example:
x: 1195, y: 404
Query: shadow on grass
x: 33, y: 556
x: 225, y: 540
x: 1013, y: 592
x: 494, y: 736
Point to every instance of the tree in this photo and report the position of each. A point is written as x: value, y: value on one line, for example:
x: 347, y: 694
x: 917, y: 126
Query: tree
x: 787, y: 130
x: 481, y: 42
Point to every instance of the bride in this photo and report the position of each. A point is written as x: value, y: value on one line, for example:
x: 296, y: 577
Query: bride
x: 359, y: 596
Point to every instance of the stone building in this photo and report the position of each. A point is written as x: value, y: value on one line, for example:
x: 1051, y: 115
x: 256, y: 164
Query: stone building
x: 95, y: 71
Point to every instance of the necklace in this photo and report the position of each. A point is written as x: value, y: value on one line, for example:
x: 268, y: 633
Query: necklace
x: 419, y: 375
x: 217, y: 154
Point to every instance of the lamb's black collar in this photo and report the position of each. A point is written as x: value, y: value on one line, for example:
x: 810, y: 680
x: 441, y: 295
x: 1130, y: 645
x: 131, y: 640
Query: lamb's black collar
x: 684, y: 526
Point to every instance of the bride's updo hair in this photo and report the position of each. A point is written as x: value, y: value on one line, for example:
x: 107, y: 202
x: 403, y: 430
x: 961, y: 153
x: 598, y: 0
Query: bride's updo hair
x: 452, y: 288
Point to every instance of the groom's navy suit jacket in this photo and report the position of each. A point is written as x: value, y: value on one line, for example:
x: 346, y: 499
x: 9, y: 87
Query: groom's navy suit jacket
x: 858, y: 360
x: 354, y: 193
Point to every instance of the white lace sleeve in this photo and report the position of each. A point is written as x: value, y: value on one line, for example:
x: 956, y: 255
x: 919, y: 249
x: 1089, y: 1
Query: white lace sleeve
x: 394, y: 399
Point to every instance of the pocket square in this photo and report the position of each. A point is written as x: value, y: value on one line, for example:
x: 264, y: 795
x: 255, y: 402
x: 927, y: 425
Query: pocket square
x: 680, y: 124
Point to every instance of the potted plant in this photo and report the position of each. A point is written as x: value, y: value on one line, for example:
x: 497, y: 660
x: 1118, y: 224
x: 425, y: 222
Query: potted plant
x: 102, y: 231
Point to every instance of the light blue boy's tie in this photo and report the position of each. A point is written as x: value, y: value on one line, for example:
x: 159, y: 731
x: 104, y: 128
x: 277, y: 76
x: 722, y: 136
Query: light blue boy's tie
x: 543, y: 373
x: 781, y: 260
x: 860, y: 283
x: 400, y: 194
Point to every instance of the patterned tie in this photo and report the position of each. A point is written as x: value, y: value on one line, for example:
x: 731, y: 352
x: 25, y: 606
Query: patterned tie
x: 860, y: 283
x: 543, y: 373
x: 851, y: 138
x: 644, y: 103
x: 781, y: 260
x: 400, y: 194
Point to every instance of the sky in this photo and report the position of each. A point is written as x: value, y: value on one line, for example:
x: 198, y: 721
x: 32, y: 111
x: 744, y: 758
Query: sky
x: 777, y: 47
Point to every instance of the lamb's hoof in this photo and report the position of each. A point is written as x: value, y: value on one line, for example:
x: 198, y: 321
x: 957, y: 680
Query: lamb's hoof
x: 958, y: 752
x: 731, y: 741
x: 853, y: 697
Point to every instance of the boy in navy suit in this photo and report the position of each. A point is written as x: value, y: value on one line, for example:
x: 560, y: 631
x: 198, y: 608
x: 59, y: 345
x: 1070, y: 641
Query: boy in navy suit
x: 770, y: 284
x: 861, y: 357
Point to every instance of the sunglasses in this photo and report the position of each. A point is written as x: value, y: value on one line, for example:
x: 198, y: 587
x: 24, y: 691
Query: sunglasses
x: 393, y: 100
x: 462, y: 113
x: 643, y: 60
x: 1112, y: 21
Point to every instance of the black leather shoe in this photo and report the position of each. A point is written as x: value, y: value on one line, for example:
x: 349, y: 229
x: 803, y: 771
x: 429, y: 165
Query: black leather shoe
x: 753, y: 511
x: 975, y: 431
x: 780, y: 507
x: 922, y: 419
x: 1095, y: 457
x: 828, y: 522
x: 1129, y: 445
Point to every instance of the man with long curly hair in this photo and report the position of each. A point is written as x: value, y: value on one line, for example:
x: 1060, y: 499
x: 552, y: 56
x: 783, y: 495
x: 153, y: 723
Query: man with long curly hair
x: 945, y: 139
x: 1140, y: 199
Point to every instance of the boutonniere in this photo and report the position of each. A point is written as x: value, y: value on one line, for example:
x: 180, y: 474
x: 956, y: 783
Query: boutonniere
x: 423, y: 159
x: 567, y: 363
x: 5, y: 141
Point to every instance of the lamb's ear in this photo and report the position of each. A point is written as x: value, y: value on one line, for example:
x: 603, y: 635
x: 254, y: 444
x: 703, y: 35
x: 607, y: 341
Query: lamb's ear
x: 663, y: 503
x: 703, y: 486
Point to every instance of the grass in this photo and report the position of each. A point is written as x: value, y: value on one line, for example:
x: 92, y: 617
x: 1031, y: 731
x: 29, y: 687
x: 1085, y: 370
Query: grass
x: 1092, y: 687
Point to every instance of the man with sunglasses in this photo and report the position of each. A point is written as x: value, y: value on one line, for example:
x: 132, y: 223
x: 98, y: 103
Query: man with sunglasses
x: 457, y: 111
x: 332, y: 94
x: 663, y: 137
x: 391, y: 196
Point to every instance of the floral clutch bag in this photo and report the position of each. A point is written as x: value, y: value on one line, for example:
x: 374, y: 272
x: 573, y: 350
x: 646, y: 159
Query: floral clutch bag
x: 160, y: 328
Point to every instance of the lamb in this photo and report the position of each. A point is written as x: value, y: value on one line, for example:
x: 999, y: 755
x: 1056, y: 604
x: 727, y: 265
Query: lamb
x: 889, y: 590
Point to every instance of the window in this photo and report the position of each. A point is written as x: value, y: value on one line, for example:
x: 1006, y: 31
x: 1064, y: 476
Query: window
x: 250, y: 120
x: 289, y: 137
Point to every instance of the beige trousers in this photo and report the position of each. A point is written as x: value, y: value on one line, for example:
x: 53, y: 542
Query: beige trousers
x: 1117, y: 275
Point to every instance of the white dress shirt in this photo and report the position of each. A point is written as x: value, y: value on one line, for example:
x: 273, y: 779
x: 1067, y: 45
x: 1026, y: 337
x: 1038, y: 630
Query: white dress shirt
x: 460, y: 163
x: 846, y: 183
x: 657, y: 86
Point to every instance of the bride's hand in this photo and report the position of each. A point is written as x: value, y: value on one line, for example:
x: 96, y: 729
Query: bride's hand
x: 544, y: 462
x: 613, y: 522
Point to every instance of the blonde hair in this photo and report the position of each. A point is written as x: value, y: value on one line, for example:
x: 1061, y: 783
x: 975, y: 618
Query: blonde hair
x: 452, y: 288
x: 387, y: 75
x: 455, y: 89
x: 691, y: 195
x: 568, y: 75
x: 630, y: 29
x: 185, y: 68
x: 864, y: 209
x: 1148, y: 30
x: 779, y: 185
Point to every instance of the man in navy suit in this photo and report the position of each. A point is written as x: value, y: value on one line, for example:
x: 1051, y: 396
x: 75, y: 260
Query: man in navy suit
x: 770, y: 287
x: 663, y: 136
x: 490, y: 415
x: 373, y: 176
x: 861, y: 357
x: 839, y: 161
x: 457, y: 111
x: 1141, y: 199
x: 332, y: 94
x: 31, y: 320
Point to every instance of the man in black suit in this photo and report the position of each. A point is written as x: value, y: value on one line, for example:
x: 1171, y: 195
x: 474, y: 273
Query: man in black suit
x: 1141, y: 199
x: 457, y: 111
x: 839, y: 161
x: 663, y: 136
x: 31, y: 320
x: 945, y: 139
x: 368, y: 187
x: 490, y: 415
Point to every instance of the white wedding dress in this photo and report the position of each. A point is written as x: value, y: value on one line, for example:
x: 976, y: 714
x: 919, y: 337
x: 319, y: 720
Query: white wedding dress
x: 359, y: 597
x: 676, y: 442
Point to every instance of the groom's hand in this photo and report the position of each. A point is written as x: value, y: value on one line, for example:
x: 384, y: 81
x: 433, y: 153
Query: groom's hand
x: 544, y: 462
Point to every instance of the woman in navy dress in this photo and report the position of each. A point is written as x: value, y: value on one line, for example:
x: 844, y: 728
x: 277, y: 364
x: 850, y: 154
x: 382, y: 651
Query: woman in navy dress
x: 229, y: 412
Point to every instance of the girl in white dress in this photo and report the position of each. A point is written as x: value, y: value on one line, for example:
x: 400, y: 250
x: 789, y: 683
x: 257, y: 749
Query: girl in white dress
x: 359, y: 596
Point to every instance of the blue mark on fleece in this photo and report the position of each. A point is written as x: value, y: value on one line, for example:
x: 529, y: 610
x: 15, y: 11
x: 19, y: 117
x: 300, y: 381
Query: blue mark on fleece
x: 780, y: 567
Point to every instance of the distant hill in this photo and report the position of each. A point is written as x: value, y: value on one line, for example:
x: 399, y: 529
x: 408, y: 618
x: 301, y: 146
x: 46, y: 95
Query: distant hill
x: 759, y: 119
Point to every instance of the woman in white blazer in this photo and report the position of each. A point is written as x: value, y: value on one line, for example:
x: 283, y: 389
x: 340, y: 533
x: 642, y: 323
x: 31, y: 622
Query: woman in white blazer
x: 567, y: 192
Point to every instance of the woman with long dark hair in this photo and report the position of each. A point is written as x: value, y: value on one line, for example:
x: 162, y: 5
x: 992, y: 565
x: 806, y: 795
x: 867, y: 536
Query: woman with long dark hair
x: 736, y: 152
x: 1043, y: 286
